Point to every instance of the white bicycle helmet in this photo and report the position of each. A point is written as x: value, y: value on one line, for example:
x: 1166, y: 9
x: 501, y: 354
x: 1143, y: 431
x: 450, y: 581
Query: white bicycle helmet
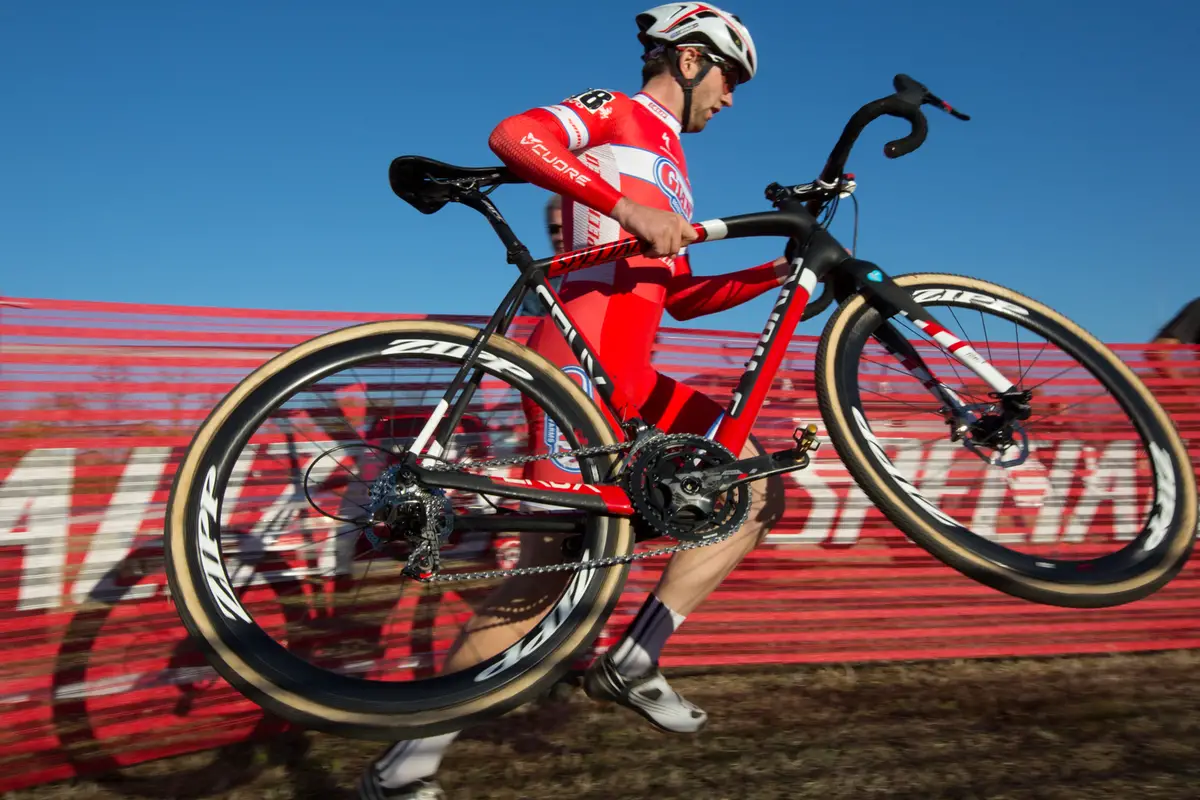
x: 717, y: 31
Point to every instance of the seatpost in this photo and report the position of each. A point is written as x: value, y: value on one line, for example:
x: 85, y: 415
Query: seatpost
x: 518, y: 253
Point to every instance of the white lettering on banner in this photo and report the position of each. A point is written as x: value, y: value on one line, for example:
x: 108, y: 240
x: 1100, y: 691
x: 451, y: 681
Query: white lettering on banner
x: 1164, y: 504
x: 925, y: 296
x: 36, y: 517
x: 820, y: 507
x: 934, y: 485
x: 853, y: 512
x: 35, y: 512
x: 549, y: 624
x: 877, y: 450
x: 987, y: 506
x: 210, y: 551
x: 287, y: 512
x: 123, y: 519
x: 909, y: 455
x: 1049, y: 519
x: 454, y: 350
x: 1112, y: 480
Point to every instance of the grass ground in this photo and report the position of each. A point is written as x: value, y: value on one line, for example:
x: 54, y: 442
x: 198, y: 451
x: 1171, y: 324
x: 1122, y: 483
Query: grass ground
x: 1061, y: 729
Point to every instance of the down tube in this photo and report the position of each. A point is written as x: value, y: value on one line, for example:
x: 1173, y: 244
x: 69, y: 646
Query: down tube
x: 756, y: 381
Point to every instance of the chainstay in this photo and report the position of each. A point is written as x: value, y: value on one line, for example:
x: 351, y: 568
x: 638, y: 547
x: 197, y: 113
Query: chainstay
x: 609, y: 561
x: 492, y: 463
x: 583, y: 452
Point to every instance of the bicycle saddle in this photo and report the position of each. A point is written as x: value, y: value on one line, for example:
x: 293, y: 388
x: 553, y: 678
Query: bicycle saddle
x: 427, y: 185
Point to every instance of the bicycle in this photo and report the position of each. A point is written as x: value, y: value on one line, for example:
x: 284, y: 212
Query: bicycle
x: 637, y: 484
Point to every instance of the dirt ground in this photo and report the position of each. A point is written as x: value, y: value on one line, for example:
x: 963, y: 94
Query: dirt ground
x: 1060, y: 729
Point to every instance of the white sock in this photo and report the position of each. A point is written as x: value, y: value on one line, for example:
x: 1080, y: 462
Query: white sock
x: 413, y: 760
x: 639, y: 649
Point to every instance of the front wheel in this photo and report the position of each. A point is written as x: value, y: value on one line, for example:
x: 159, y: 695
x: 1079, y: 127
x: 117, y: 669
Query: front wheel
x: 1089, y: 502
x: 290, y: 463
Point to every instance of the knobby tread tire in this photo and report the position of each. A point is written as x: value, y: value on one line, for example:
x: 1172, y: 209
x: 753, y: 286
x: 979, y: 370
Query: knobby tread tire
x: 326, y: 704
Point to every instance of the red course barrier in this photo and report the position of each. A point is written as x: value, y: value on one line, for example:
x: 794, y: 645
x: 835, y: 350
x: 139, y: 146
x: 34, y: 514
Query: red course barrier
x: 98, y: 401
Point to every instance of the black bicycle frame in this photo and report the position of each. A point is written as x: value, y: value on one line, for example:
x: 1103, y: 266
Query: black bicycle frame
x: 815, y: 256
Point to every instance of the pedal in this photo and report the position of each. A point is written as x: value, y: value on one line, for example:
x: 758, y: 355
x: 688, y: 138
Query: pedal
x: 805, y: 439
x: 725, y: 477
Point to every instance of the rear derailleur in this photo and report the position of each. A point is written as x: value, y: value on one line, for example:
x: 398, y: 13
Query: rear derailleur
x: 419, y: 516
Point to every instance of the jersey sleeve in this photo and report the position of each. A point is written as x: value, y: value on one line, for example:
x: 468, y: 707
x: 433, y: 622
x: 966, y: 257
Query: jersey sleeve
x: 539, y: 145
x: 690, y: 296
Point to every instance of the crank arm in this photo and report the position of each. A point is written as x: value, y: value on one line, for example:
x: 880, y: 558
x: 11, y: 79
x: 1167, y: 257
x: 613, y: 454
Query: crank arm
x: 725, y: 477
x: 719, y: 479
x: 599, y: 498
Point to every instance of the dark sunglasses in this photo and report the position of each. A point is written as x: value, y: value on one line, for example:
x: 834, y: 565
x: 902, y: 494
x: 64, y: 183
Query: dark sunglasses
x: 729, y: 71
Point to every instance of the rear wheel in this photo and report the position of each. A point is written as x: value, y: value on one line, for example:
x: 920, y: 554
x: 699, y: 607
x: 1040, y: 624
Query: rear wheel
x: 1093, y: 512
x: 254, y: 474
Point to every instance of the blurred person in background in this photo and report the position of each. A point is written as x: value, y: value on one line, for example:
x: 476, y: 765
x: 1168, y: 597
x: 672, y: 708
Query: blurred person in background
x: 1176, y: 366
x: 530, y: 306
x: 554, y: 223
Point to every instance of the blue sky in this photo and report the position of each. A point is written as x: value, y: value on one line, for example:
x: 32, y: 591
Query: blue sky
x: 235, y: 154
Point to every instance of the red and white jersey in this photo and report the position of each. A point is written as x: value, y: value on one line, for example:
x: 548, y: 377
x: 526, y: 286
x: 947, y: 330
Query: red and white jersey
x: 594, y: 149
x: 633, y: 144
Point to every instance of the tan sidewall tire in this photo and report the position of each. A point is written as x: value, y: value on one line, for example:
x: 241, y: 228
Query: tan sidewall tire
x: 870, y: 478
x: 260, y: 687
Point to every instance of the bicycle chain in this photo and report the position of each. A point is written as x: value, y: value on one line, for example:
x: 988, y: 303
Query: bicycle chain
x: 583, y: 452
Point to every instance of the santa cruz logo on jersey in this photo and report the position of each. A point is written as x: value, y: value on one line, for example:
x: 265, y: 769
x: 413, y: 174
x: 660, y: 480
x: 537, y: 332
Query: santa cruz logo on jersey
x: 552, y: 436
x: 672, y: 183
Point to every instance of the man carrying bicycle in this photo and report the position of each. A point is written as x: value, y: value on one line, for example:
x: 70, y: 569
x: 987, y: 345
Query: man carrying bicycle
x: 618, y: 164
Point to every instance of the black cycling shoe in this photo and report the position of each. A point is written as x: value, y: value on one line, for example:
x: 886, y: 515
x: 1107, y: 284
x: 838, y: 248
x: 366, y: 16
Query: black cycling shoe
x: 649, y: 695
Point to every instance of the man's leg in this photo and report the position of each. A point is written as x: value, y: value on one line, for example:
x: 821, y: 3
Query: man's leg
x: 628, y: 673
x: 510, y: 612
x: 407, y: 767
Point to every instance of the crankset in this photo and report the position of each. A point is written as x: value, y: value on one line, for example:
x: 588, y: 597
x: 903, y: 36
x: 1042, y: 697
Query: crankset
x: 673, y: 505
x: 717, y: 479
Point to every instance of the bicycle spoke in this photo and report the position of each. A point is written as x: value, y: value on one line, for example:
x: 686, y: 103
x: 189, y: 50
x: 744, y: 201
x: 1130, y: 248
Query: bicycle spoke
x: 338, y: 535
x: 949, y: 361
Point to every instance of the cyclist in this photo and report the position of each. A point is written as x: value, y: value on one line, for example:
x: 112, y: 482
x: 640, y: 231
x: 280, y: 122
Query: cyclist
x: 619, y: 166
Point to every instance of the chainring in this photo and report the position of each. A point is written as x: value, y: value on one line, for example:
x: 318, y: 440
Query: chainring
x: 669, y: 505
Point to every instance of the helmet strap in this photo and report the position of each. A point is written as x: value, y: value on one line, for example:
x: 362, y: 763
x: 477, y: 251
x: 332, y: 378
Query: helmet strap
x: 687, y: 85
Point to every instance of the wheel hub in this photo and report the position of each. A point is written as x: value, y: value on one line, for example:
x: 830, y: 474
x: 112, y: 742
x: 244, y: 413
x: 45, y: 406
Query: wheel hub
x: 409, y: 512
